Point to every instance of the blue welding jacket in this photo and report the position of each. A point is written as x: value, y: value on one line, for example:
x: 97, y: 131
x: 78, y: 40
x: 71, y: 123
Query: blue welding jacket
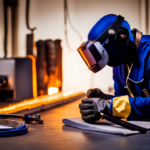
x: 140, y: 72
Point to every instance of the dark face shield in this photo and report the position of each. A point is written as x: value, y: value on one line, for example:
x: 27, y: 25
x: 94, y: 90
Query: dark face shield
x: 94, y: 55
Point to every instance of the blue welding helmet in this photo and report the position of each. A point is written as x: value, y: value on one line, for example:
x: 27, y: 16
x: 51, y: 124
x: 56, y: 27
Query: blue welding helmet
x: 104, y: 45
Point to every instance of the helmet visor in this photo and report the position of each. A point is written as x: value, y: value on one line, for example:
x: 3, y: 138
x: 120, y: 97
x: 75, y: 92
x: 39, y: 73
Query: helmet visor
x: 92, y: 54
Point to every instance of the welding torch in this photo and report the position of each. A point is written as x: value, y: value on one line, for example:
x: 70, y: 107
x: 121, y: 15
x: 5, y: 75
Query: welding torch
x: 123, y: 123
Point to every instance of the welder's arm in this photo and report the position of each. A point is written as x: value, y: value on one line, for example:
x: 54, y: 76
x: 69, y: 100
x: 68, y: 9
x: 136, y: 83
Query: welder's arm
x: 119, y: 91
x: 97, y: 93
x: 132, y: 108
x: 120, y: 106
x: 124, y: 106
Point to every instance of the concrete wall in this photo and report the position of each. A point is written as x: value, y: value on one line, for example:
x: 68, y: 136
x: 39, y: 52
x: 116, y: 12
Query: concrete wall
x: 48, y: 17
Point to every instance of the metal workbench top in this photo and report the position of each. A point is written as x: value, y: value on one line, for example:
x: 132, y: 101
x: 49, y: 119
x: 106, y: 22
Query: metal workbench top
x: 53, y: 135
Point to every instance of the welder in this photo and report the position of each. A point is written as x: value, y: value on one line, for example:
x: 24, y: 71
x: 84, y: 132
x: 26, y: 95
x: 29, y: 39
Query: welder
x: 112, y: 42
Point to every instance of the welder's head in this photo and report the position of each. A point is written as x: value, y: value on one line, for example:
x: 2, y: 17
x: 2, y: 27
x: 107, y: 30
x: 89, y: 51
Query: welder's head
x: 107, y: 43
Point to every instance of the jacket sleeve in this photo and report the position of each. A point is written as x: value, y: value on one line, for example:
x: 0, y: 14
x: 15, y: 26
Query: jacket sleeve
x: 120, y: 106
x: 131, y: 108
x: 140, y: 108
x: 117, y: 105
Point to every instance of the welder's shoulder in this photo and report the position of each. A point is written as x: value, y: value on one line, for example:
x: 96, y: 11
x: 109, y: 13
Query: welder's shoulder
x: 144, y: 45
x: 144, y: 52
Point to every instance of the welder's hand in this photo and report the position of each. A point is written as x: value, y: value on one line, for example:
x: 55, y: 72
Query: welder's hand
x: 96, y: 93
x: 90, y: 108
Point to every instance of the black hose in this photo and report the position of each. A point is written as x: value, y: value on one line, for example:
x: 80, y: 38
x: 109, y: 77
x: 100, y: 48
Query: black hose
x: 10, y: 116
x: 27, y: 16
x: 66, y: 15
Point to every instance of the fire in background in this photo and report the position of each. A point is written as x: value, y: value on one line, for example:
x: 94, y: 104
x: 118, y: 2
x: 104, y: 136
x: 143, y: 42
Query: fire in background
x: 49, y: 67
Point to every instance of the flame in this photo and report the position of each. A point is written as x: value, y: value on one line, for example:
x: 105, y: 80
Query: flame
x: 38, y: 101
x: 68, y: 93
x: 52, y: 90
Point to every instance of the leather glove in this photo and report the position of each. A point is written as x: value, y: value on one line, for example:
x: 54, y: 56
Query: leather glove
x: 96, y: 93
x: 90, y: 108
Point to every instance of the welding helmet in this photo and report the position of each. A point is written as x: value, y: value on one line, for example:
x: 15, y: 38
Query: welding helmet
x: 104, y: 45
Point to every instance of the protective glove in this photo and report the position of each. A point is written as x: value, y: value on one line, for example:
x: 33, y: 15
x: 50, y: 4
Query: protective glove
x: 90, y: 108
x: 96, y: 93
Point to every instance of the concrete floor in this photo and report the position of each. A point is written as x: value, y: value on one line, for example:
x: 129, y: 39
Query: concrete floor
x: 53, y: 135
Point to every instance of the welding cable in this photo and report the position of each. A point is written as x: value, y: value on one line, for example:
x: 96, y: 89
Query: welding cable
x: 22, y: 129
x: 18, y: 127
x: 66, y: 15
x: 10, y: 116
x: 25, y: 117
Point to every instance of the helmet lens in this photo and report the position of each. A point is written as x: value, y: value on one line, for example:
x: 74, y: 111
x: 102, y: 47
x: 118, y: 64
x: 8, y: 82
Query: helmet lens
x: 86, y: 55
x: 92, y: 55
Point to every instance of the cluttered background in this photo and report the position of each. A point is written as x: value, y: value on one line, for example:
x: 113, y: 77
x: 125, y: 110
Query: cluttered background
x: 39, y: 41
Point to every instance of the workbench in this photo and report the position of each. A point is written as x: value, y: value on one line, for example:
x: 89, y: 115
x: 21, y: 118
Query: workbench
x: 53, y: 135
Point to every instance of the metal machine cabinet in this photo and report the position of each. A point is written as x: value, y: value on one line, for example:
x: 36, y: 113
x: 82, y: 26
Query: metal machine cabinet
x: 19, y: 79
